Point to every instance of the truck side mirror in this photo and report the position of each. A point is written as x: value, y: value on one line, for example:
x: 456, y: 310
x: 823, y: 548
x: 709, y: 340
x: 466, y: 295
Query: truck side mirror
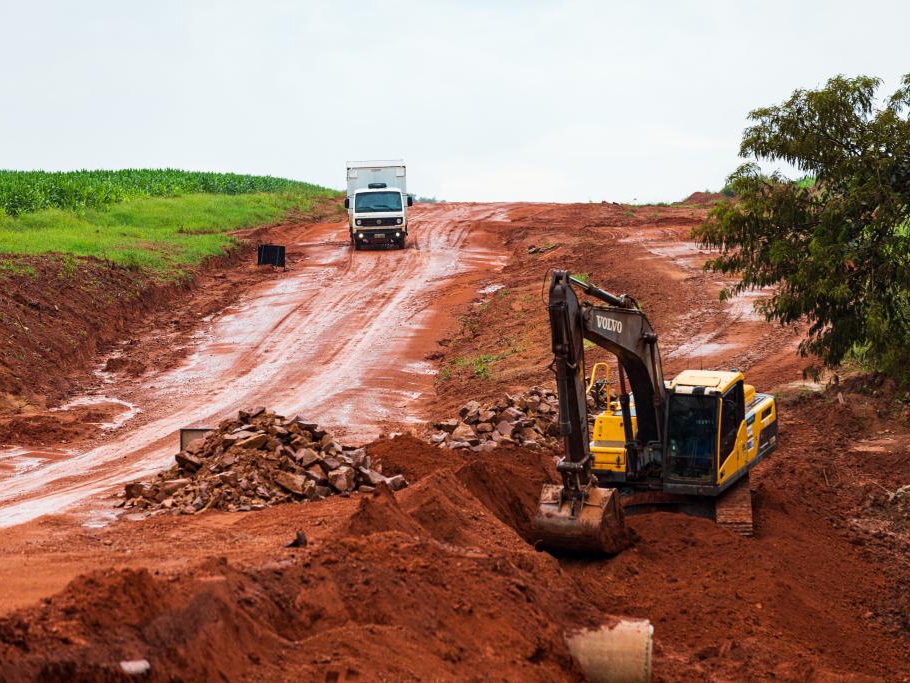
x: 347, y: 203
x: 410, y: 200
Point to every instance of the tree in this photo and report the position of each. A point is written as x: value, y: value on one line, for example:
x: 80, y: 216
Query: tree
x: 836, y: 251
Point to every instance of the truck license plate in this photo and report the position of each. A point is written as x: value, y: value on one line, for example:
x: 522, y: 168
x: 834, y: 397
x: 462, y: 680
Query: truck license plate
x: 379, y: 234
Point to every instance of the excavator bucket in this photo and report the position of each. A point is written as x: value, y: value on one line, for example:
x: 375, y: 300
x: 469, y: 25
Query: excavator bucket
x: 594, y: 525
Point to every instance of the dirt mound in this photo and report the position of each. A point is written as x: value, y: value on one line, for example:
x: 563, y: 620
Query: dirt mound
x: 430, y: 566
x: 705, y: 198
x: 259, y: 459
x: 408, y: 456
x: 110, y: 617
x: 41, y: 429
x: 506, y: 481
x: 379, y: 513
x: 509, y: 486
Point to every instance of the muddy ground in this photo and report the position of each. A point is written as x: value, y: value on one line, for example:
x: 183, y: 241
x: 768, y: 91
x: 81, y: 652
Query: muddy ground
x: 436, y: 582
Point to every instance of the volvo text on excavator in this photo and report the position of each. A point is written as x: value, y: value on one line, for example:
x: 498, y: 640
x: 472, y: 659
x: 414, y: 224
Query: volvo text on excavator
x: 688, y: 443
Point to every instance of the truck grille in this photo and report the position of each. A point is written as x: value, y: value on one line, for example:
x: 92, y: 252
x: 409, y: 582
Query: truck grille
x: 377, y: 221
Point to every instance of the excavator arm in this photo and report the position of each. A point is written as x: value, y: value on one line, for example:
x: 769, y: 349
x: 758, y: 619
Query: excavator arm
x: 624, y: 330
x: 578, y: 515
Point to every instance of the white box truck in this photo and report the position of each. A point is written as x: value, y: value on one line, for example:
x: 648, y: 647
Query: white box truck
x: 377, y: 202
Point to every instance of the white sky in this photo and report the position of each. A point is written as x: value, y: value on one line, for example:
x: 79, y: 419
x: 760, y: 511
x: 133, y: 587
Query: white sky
x: 518, y: 99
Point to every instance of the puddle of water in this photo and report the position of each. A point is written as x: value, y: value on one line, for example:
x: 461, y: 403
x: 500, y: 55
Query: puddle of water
x: 420, y: 367
x: 98, y: 519
x: 26, y: 464
x: 699, y: 346
x: 130, y: 410
x: 708, y: 349
x: 742, y: 306
x: 677, y: 249
x: 17, y: 460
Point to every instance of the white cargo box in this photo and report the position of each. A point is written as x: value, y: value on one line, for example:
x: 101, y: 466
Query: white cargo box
x: 363, y: 174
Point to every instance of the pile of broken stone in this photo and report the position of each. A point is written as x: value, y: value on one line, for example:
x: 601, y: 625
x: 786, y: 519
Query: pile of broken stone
x: 259, y: 459
x: 530, y: 419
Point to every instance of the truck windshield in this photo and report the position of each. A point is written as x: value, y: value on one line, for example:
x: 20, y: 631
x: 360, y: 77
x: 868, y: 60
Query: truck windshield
x: 371, y: 202
x: 692, y: 435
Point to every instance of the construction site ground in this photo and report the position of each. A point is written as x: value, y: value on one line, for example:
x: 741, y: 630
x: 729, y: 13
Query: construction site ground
x: 436, y: 581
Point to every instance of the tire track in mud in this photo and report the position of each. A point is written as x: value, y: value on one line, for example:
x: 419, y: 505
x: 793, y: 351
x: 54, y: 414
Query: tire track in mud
x: 340, y: 340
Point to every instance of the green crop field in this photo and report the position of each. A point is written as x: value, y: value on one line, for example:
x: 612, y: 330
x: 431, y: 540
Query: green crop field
x: 26, y: 191
x: 154, y: 221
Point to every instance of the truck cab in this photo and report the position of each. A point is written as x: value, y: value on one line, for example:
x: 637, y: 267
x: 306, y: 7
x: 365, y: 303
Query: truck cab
x: 378, y: 216
x: 377, y: 202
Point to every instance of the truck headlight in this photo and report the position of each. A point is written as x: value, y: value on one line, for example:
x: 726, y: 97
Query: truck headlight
x: 358, y: 222
x: 397, y: 234
x: 398, y: 220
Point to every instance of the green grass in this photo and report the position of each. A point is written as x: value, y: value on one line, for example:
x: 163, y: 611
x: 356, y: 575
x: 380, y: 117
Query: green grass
x: 160, y: 235
x: 482, y: 365
x: 10, y: 267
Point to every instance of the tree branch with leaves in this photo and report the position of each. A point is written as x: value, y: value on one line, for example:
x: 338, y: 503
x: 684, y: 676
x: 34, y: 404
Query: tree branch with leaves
x: 836, y: 251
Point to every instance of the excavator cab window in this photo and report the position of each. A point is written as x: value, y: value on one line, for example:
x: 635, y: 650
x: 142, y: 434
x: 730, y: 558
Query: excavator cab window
x: 733, y: 412
x: 692, y: 436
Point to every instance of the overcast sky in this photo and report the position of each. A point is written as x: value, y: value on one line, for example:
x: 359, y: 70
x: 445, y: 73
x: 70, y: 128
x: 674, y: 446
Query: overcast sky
x: 519, y: 99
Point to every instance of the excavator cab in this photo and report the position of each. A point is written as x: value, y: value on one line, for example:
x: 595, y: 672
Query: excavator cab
x: 599, y: 389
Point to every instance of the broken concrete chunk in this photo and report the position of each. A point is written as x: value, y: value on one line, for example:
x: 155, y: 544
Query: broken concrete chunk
x: 463, y: 432
x: 447, y: 425
x: 330, y: 463
x: 168, y: 487
x: 254, y: 442
x: 512, y: 413
x: 469, y: 407
x: 306, y: 457
x: 358, y: 458
x: 505, y: 427
x: 294, y: 483
x: 316, y: 473
x: 187, y: 461
x: 396, y: 482
x: 342, y: 479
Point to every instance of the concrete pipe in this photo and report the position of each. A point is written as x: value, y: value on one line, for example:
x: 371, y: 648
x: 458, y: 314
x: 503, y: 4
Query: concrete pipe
x: 620, y: 653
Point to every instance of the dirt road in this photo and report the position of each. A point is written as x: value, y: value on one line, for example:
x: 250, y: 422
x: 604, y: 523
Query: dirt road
x: 341, y: 338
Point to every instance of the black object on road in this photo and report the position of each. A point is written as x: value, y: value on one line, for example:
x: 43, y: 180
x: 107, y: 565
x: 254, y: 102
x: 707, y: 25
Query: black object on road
x: 270, y: 255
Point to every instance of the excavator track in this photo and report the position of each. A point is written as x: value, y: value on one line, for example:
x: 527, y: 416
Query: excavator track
x: 733, y: 510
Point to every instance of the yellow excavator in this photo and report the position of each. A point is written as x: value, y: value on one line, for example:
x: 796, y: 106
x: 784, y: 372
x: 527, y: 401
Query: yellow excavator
x: 687, y: 444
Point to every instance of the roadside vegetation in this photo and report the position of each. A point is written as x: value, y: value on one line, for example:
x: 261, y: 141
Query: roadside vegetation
x: 834, y: 244
x: 153, y: 221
